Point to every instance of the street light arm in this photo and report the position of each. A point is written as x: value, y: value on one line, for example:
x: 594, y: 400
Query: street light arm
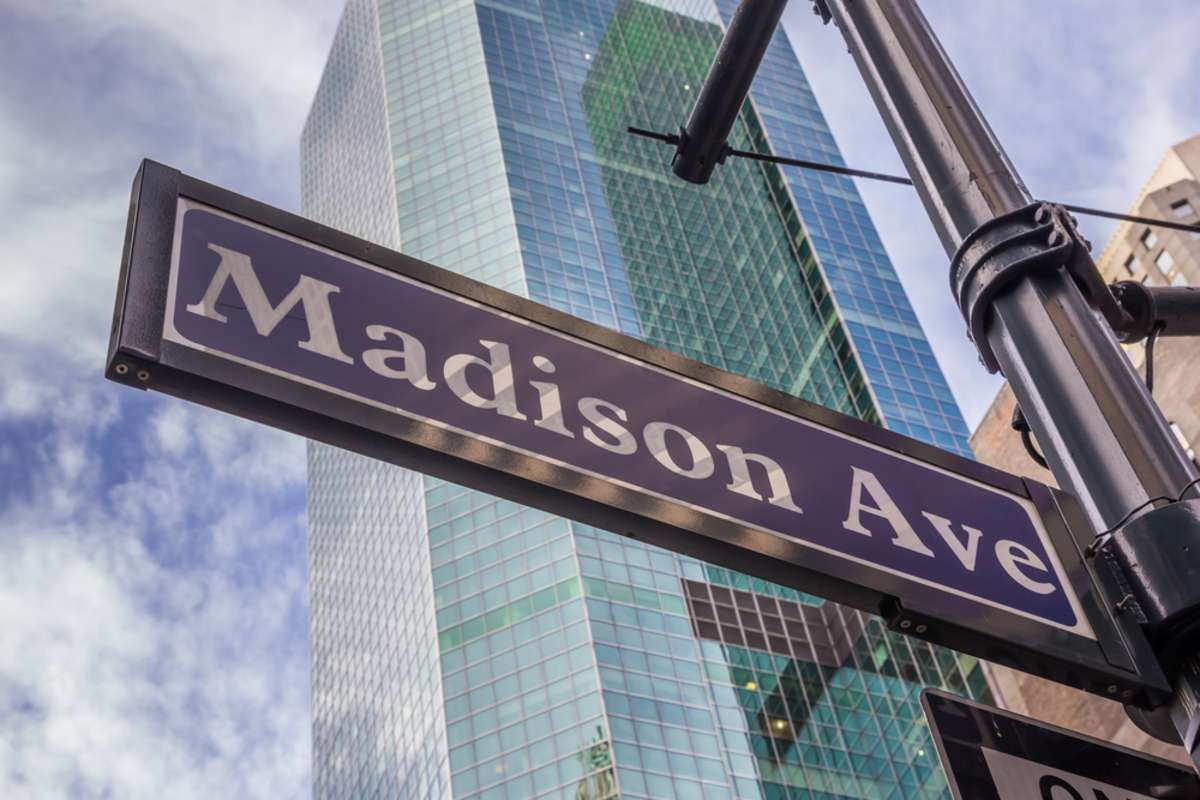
x: 1176, y: 309
x: 702, y: 141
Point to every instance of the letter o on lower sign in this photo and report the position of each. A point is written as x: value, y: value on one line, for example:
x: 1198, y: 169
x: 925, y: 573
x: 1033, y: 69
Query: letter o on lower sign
x: 1049, y: 783
x: 655, y: 435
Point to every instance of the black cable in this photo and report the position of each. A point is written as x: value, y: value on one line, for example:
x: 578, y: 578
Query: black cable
x: 1135, y: 510
x: 671, y: 138
x: 1160, y: 223
x: 1150, y: 340
x: 1027, y: 440
x: 796, y: 162
x: 1103, y: 537
x: 1021, y: 425
x: 1191, y: 485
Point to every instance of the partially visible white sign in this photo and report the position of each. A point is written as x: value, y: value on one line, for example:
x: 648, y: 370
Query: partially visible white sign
x: 1019, y: 778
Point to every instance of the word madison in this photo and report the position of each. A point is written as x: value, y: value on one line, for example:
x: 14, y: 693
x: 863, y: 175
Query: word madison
x: 421, y: 352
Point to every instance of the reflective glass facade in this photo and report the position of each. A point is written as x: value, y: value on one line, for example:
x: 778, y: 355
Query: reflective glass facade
x: 378, y: 724
x: 910, y: 391
x: 465, y: 646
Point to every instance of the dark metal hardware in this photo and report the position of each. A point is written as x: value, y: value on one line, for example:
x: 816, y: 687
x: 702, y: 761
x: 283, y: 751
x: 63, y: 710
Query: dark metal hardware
x: 1160, y: 552
x: 701, y: 144
x: 1003, y: 250
x: 1021, y: 426
x: 1175, y: 308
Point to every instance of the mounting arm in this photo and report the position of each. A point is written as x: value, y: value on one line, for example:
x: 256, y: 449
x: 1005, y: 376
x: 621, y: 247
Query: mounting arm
x: 701, y: 144
x: 1175, y: 308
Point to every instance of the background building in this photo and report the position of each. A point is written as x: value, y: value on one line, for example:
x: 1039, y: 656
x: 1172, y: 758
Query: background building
x: 465, y: 645
x: 1157, y: 256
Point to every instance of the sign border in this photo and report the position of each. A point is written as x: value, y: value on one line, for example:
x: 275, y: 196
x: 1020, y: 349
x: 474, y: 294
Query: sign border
x: 1114, y: 662
x: 952, y: 777
x: 172, y: 334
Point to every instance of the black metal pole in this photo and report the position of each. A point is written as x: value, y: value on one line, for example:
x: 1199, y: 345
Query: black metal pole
x: 703, y: 139
x: 1105, y: 439
x: 1018, y: 271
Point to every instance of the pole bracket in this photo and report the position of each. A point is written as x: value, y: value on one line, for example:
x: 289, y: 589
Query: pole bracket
x: 1159, y: 553
x: 1003, y: 250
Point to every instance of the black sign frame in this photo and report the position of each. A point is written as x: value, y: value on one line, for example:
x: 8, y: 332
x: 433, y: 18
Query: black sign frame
x: 1118, y: 663
x: 961, y: 728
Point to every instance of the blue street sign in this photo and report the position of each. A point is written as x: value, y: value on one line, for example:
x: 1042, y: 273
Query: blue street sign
x: 342, y: 326
x: 989, y: 754
x: 252, y: 310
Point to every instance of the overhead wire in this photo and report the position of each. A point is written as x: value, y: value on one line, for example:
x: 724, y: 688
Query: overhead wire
x: 1019, y: 422
x: 673, y: 138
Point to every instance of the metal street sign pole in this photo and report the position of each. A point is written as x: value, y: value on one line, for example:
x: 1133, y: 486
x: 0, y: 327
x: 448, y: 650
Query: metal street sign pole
x: 1104, y: 437
x: 1033, y: 301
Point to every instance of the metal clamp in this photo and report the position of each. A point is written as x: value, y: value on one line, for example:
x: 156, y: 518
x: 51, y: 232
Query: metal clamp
x: 1040, y: 236
x: 1159, y: 552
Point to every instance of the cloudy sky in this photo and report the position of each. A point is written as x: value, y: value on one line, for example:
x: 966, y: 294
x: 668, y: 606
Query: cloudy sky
x: 153, y: 600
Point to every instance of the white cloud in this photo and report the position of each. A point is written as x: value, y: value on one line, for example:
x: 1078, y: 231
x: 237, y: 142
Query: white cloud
x: 153, y: 578
x: 249, y: 69
x: 153, y: 640
x: 122, y: 702
x: 218, y: 89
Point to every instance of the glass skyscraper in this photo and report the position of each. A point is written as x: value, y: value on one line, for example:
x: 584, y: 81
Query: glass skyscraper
x: 464, y: 646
